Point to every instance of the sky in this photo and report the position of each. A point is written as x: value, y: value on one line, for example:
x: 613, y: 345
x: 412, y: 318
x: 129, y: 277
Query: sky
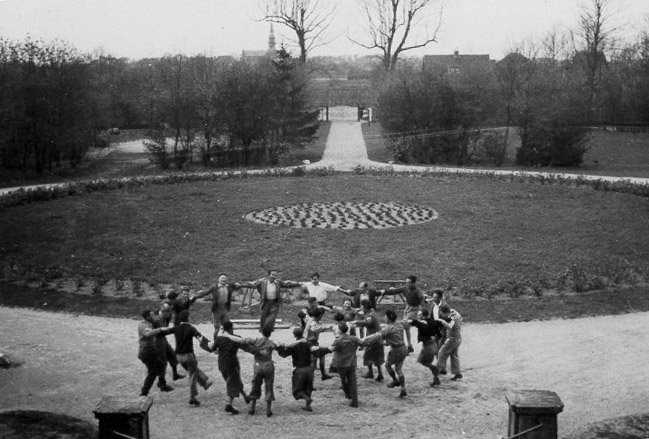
x: 152, y: 28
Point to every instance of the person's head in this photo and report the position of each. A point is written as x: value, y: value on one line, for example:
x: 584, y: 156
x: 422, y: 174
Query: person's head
x: 363, y: 285
x: 298, y: 333
x: 411, y: 280
x: 272, y: 275
x: 347, y: 304
x: 339, y: 317
x: 147, y: 315
x: 444, y: 311
x: 223, y: 278
x: 317, y: 313
x: 343, y: 328
x: 172, y: 295
x: 228, y: 327
x: 266, y: 332
x: 183, y: 316
x: 390, y: 315
x: 366, y: 304
x: 438, y: 295
x: 422, y: 314
x: 301, y: 314
x: 315, y: 278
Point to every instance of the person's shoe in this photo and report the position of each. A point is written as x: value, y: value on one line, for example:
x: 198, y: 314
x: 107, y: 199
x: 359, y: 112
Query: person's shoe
x: 393, y: 384
x: 456, y: 377
x: 194, y: 402
x: 435, y: 382
x: 369, y: 375
x: 379, y: 378
x: 403, y: 393
x: 307, y: 408
x: 144, y: 394
x: 208, y: 384
x: 247, y: 399
x: 326, y: 377
x: 230, y: 409
x: 269, y: 413
x: 166, y: 388
x: 411, y: 349
x: 251, y: 411
x: 353, y: 404
x: 178, y: 376
x: 442, y: 372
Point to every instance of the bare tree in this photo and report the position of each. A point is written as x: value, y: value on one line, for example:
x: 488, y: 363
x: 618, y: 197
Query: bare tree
x: 392, y: 27
x: 307, y: 19
x: 596, y: 37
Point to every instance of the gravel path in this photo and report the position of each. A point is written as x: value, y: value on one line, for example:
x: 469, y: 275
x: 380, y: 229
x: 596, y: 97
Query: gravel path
x: 596, y: 365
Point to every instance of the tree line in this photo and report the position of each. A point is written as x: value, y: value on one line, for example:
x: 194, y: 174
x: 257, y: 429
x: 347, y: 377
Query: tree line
x: 56, y: 103
x: 551, y: 91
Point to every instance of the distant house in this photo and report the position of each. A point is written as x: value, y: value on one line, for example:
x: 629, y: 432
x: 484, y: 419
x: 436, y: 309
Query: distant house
x: 261, y: 56
x: 456, y: 64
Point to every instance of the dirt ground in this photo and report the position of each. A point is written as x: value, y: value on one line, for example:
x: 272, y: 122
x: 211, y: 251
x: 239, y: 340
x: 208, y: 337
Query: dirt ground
x: 596, y: 365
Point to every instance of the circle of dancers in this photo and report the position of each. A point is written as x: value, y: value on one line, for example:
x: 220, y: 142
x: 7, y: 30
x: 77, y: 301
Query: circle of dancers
x: 357, y: 328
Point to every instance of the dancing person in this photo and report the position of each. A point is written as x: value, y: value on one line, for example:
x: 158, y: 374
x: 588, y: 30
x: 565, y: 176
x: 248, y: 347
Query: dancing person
x: 302, y: 378
x: 452, y: 321
x: 184, y: 335
x: 414, y: 299
x: 361, y: 293
x: 374, y: 354
x: 344, y: 348
x: 314, y: 327
x: 428, y: 329
x: 392, y: 335
x: 221, y: 300
x: 436, y: 300
x: 264, y: 368
x: 270, y: 291
x: 163, y: 319
x: 151, y: 354
x: 346, y: 313
x: 319, y: 290
x: 229, y: 367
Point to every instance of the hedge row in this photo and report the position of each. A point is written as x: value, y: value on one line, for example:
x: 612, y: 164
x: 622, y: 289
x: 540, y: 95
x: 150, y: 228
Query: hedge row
x: 51, y: 192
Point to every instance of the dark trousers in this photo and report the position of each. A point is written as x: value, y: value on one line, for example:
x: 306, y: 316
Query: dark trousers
x: 171, y: 355
x: 269, y: 312
x: 349, y: 382
x: 263, y: 372
x: 302, y: 381
x: 156, y: 364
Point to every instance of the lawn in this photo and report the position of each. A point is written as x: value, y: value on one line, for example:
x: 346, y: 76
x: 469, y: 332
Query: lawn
x: 617, y: 154
x: 492, y: 239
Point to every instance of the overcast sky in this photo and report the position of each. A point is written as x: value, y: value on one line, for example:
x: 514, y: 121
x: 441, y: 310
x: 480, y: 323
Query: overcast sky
x: 152, y: 28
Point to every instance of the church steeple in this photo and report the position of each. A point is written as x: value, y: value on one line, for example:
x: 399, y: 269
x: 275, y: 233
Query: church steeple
x: 271, y: 40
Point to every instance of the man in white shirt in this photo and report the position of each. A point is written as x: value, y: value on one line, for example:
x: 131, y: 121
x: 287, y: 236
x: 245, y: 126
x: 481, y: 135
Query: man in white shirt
x: 319, y: 290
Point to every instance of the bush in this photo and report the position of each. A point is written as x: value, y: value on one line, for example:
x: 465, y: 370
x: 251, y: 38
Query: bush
x: 491, y: 149
x: 559, y: 145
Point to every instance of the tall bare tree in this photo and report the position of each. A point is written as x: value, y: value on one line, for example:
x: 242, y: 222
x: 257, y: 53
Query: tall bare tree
x: 309, y: 20
x: 394, y: 26
x: 595, y: 33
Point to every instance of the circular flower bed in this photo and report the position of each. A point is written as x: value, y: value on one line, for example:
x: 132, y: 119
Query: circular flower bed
x: 344, y: 216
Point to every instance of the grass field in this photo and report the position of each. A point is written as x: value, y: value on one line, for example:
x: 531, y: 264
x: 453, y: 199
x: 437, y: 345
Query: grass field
x: 493, y: 239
